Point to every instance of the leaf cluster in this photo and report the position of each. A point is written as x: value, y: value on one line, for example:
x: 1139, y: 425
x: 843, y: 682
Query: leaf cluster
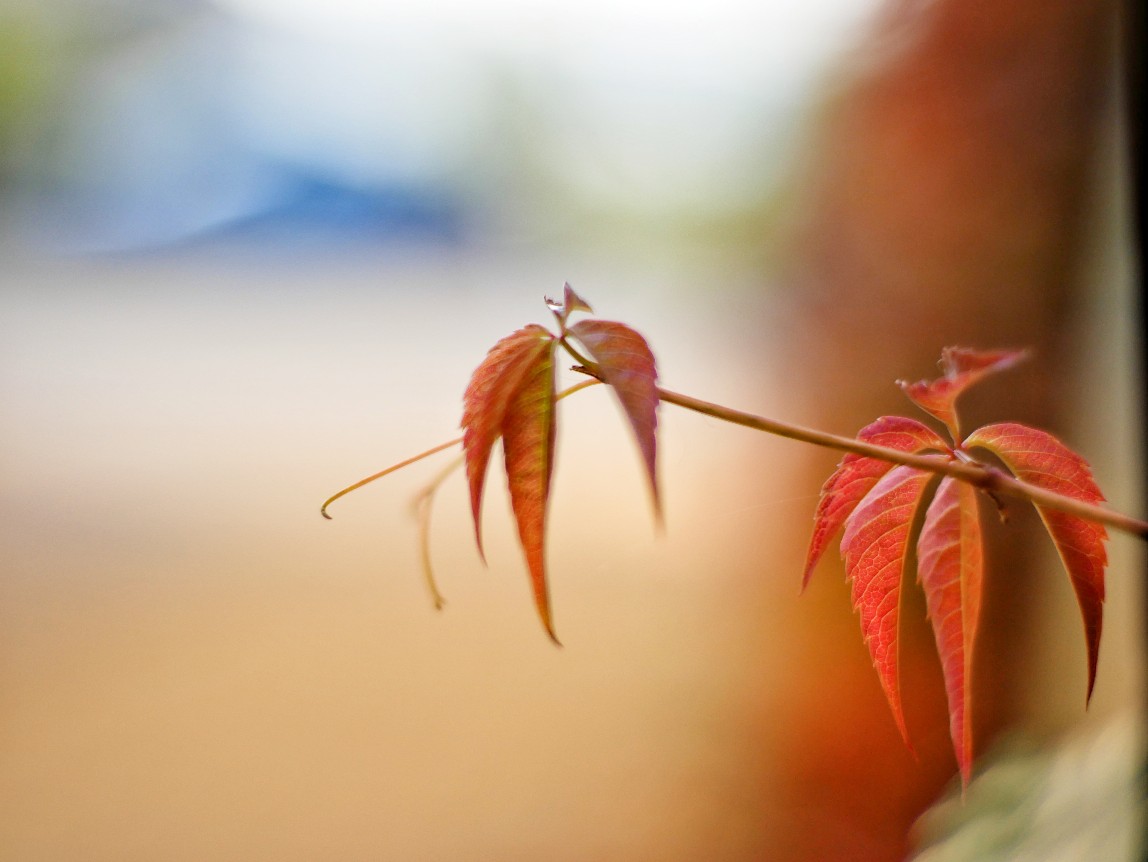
x: 512, y: 396
x: 873, y: 498
x: 875, y: 504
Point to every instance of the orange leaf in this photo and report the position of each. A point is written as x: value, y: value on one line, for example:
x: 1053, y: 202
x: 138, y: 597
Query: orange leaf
x: 856, y: 474
x: 488, y: 396
x: 528, y: 444
x: 875, y: 546
x: 627, y: 364
x: 961, y: 368
x: 1039, y: 458
x: 951, y: 567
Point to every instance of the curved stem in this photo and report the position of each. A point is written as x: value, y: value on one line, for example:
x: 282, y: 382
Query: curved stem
x: 577, y: 387
x: 982, y: 476
x: 582, y: 360
x: 423, y: 503
x: 432, y: 451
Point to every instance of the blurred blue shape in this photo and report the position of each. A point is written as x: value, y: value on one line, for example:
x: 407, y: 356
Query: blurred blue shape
x: 171, y: 121
x: 311, y: 208
x: 157, y: 141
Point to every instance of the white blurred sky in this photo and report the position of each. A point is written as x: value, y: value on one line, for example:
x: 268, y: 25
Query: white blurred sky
x: 670, y: 102
x: 168, y: 118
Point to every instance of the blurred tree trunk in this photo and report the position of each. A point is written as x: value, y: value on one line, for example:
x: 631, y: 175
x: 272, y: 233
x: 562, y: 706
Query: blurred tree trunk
x: 946, y: 207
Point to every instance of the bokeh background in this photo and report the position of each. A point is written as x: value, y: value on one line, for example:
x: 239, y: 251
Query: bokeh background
x: 251, y: 250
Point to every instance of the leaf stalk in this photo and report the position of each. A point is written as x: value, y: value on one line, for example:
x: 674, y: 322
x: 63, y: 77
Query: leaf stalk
x: 434, y: 450
x: 983, y: 476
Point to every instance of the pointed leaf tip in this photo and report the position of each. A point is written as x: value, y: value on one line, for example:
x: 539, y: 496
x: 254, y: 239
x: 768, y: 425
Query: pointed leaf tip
x: 569, y: 303
x: 961, y: 367
x: 1040, y: 459
x: 627, y: 365
x: 528, y: 432
x: 573, y: 301
x: 951, y: 571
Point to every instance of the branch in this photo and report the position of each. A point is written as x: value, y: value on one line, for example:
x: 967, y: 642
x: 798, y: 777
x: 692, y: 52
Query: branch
x: 983, y: 476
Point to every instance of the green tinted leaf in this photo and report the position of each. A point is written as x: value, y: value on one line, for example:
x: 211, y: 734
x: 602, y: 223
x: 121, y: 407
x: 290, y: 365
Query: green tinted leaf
x: 528, y: 442
x: 488, y: 397
x: 875, y: 546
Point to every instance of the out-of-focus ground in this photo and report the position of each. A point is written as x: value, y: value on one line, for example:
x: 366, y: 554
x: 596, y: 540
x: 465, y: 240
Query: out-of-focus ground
x: 196, y: 665
x: 198, y: 345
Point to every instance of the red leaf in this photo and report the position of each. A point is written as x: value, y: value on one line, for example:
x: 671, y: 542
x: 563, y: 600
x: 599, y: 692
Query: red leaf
x: 528, y: 444
x: 1040, y: 459
x: 961, y: 368
x: 488, y: 396
x: 627, y: 364
x: 875, y: 546
x: 856, y: 474
x: 951, y: 568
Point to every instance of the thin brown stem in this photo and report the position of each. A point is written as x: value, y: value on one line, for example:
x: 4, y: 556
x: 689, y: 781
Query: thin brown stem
x: 577, y: 387
x: 573, y: 351
x: 423, y: 503
x: 434, y: 450
x: 983, y: 476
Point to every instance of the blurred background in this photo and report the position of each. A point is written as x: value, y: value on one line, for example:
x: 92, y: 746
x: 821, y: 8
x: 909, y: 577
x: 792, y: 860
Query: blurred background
x: 250, y: 251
